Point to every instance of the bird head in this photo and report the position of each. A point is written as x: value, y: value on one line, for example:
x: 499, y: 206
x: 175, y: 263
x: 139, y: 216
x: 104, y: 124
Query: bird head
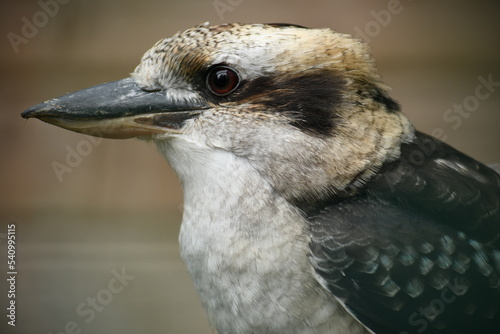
x: 305, y: 108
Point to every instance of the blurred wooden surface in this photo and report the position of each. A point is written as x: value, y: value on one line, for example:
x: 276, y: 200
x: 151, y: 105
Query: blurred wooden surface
x: 121, y: 206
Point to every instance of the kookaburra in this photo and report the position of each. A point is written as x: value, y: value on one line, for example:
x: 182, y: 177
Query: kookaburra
x: 311, y: 205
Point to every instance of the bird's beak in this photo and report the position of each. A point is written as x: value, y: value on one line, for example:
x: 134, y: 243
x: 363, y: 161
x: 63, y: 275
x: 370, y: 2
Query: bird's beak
x: 118, y: 109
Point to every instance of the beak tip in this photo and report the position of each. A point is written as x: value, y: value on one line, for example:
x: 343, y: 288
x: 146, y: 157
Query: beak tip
x: 28, y: 113
x: 33, y: 111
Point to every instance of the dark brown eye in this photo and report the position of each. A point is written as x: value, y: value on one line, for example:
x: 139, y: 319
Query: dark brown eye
x: 222, y: 80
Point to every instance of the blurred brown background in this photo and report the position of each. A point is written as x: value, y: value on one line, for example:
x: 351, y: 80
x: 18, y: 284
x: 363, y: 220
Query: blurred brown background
x: 120, y: 206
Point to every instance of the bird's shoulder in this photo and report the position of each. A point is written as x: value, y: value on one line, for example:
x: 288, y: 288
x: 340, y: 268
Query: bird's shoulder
x: 417, y: 249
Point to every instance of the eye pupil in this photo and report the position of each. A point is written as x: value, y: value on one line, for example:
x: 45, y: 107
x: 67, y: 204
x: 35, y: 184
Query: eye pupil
x: 222, y: 80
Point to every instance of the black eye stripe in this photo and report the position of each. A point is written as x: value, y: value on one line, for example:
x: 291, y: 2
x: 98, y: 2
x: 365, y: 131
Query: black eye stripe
x: 222, y: 80
x: 310, y: 99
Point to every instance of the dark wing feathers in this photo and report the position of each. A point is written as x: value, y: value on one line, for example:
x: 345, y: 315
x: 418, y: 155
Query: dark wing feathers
x: 417, y: 251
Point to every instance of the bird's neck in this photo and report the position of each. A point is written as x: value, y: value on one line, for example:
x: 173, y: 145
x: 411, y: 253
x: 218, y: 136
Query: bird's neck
x: 229, y: 206
x: 244, y: 245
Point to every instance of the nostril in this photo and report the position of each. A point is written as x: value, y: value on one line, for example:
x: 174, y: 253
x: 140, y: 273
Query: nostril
x: 151, y: 89
x: 150, y: 86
